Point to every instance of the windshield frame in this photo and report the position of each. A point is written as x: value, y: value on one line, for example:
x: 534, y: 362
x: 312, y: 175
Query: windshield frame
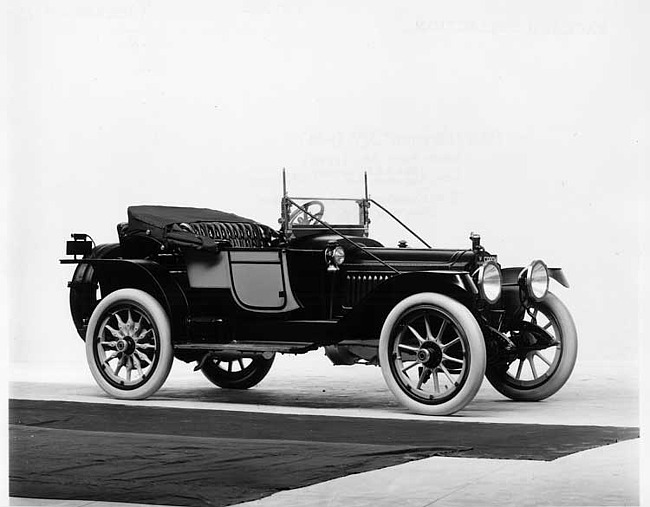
x: 361, y: 227
x: 290, y: 205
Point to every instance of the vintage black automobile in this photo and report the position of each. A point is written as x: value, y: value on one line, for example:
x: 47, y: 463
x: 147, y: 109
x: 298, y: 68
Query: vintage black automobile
x: 229, y: 293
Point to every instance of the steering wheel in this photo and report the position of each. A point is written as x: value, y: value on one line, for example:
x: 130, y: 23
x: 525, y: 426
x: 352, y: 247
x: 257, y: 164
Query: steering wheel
x: 299, y: 217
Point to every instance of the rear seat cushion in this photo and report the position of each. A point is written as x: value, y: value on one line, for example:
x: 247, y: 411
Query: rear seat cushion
x: 242, y: 235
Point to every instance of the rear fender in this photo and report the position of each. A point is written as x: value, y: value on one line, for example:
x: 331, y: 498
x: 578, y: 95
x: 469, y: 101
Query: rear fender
x: 365, y: 320
x: 150, y: 277
x: 83, y: 286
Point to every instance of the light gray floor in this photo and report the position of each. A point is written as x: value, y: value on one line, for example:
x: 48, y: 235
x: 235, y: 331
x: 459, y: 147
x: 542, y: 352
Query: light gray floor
x: 597, y: 394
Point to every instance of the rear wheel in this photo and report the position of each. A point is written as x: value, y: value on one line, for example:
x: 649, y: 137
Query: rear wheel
x: 432, y: 354
x: 538, y: 374
x: 237, y: 373
x: 128, y: 344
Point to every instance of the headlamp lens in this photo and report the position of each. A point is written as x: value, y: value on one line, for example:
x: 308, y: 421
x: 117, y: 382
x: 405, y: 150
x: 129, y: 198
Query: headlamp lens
x: 338, y: 255
x: 537, y: 280
x: 490, y: 282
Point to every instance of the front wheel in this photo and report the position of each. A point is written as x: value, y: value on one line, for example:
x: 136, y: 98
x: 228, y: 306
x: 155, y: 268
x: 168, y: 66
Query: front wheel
x: 128, y: 344
x: 237, y: 373
x: 537, y: 374
x: 432, y: 354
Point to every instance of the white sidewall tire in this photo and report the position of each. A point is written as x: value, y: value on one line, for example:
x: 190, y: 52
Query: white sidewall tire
x: 553, y: 305
x: 473, y: 335
x: 166, y: 353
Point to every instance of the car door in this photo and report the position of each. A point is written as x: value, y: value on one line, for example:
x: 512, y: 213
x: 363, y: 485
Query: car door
x: 259, y: 279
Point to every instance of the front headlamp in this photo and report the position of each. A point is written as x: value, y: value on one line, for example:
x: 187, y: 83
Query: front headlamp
x: 338, y: 255
x: 535, y: 280
x: 489, y: 281
x: 334, y: 256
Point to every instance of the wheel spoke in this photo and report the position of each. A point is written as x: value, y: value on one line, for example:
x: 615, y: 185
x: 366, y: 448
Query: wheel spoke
x: 138, y: 365
x: 539, y: 354
x: 142, y: 356
x: 409, y: 367
x: 428, y: 328
x: 108, y: 344
x: 521, y: 367
x: 422, y: 378
x: 452, y: 342
x: 119, y: 366
x: 241, y: 364
x: 142, y: 335
x: 436, y: 382
x: 137, y: 325
x: 128, y: 369
x: 453, y: 359
x: 532, y: 365
x: 547, y: 326
x: 533, y: 316
x: 129, y: 320
x: 120, y: 323
x: 115, y: 333
x: 408, y: 347
x: 446, y: 372
x: 441, y: 331
x: 110, y: 358
x: 229, y: 366
x: 145, y: 346
x: 416, y: 334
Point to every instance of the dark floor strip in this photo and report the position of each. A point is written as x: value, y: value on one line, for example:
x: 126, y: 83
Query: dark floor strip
x: 487, y: 440
x: 144, y: 454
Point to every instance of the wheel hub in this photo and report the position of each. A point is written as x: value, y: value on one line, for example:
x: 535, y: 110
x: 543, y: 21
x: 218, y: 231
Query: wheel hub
x: 429, y: 354
x: 125, y: 345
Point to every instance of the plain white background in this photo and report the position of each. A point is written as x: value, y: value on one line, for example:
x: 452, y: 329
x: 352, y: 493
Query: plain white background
x: 520, y: 121
x: 524, y: 121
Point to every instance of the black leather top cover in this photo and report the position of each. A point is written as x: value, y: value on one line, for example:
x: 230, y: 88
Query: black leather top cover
x: 193, y: 226
x: 160, y: 217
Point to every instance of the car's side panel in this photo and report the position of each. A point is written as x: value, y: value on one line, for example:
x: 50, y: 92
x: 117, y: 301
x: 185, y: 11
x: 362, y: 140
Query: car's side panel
x: 258, y: 280
x: 207, y: 270
x: 310, y: 281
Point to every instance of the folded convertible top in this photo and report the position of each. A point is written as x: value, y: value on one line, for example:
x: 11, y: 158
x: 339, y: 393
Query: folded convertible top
x: 198, y: 227
x: 146, y: 217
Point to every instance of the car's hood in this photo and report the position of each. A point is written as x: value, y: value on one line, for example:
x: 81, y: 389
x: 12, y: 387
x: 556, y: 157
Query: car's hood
x: 408, y: 259
x: 360, y: 254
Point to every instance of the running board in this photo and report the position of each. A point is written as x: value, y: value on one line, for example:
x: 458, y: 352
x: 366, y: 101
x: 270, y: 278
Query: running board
x: 250, y: 347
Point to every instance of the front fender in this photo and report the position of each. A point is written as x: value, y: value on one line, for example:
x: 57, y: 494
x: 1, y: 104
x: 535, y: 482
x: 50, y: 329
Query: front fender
x: 510, y: 298
x: 511, y: 276
x: 364, y: 321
